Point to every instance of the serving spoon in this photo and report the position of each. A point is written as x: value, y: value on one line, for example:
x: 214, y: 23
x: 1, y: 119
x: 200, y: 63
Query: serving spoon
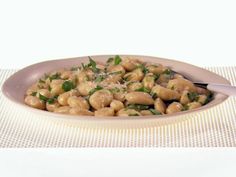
x: 221, y: 88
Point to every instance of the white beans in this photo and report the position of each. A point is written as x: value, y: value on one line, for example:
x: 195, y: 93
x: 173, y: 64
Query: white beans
x: 128, y: 112
x: 194, y: 105
x: 62, y: 110
x: 155, y: 69
x: 43, y: 92
x: 184, y: 99
x: 174, y: 107
x: 56, y: 87
x: 123, y: 86
x: 63, y: 98
x: 165, y: 93
x: 117, y: 105
x: 85, y: 75
x: 149, y: 81
x: 119, y: 96
x: 85, y: 87
x: 52, y: 107
x: 130, y: 63
x: 66, y: 74
x: 181, y: 84
x: 104, y: 112
x: 133, y: 86
x: 82, y: 112
x: 32, y: 89
x: 101, y: 99
x: 79, y: 102
x: 146, y: 113
x: 135, y: 75
x: 34, y: 102
x: 139, y: 98
x: 160, y: 106
x: 202, y: 99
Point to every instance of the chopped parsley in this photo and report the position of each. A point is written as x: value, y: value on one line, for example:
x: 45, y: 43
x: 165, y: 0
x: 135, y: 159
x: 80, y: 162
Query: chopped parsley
x: 54, y: 76
x: 138, y: 107
x: 109, y: 60
x: 68, y: 85
x: 43, y: 98
x: 52, y: 100
x: 100, y: 78
x: 167, y: 71
x: 114, y: 90
x: 144, y: 69
x: 33, y: 93
x: 134, y: 114
x: 156, y: 76
x: 41, y: 81
x: 93, y: 65
x: 153, y: 95
x: 192, y: 96
x: 185, y: 107
x: 116, y: 72
x: 95, y: 89
x: 154, y: 112
x: 117, y: 60
x: 143, y: 89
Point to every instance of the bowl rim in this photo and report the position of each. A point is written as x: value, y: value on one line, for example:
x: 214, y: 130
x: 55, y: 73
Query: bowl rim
x: 110, y: 118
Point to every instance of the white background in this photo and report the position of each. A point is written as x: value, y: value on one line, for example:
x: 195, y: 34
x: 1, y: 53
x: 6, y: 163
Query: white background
x: 202, y: 32
x: 199, y: 32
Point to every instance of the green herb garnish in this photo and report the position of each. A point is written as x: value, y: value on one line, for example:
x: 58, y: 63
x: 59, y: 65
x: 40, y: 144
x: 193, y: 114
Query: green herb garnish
x: 116, y: 72
x: 43, y: 98
x: 143, y: 89
x: 50, y: 100
x: 68, y: 85
x: 54, y: 76
x: 154, y: 112
x: 117, y: 60
x: 95, y: 89
x: 156, y: 76
x: 127, y: 78
x: 33, y: 93
x: 109, y: 60
x: 41, y: 81
x: 144, y: 69
x: 114, y: 90
x: 100, y: 78
x: 192, y: 96
x: 134, y: 114
x: 153, y: 95
x: 93, y: 65
x: 185, y: 107
x: 49, y: 88
x: 167, y: 71
x: 137, y: 107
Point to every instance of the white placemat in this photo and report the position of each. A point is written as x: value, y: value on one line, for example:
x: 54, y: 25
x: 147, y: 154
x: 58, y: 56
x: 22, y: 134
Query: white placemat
x: 213, y: 128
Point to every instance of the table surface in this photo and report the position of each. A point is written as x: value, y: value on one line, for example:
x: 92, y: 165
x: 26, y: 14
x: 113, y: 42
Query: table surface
x: 215, y: 127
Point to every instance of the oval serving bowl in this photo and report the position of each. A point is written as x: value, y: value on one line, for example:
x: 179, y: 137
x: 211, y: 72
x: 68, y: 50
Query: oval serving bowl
x: 15, y: 87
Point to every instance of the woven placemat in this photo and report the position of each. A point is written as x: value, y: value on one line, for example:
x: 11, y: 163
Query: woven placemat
x: 215, y: 127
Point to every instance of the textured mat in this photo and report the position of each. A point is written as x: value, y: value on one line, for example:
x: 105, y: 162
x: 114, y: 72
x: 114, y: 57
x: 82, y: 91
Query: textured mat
x: 215, y: 127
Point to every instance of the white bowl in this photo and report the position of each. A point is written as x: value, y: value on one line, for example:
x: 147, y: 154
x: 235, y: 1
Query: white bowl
x: 15, y: 87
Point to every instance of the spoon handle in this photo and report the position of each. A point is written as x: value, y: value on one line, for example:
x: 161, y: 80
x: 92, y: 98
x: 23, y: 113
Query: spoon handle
x: 225, y: 89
